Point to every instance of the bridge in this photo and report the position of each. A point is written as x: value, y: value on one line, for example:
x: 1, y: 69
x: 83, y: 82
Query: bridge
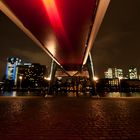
x: 64, y: 29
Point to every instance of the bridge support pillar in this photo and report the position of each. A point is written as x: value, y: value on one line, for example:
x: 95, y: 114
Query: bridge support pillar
x: 90, y: 69
x: 52, y: 78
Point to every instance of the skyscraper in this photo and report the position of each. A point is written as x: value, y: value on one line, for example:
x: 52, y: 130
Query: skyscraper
x: 11, y: 68
x: 118, y: 73
x: 114, y: 73
x: 32, y: 74
x: 133, y: 73
x: 109, y: 73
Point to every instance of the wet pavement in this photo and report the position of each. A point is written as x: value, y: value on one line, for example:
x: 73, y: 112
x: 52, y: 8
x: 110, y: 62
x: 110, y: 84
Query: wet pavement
x: 63, y: 118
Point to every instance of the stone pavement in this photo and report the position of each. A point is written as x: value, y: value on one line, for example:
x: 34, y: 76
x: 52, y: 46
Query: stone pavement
x: 66, y: 118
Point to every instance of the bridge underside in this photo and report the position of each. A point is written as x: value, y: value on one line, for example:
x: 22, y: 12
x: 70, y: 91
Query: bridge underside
x: 65, y: 29
x: 61, y: 81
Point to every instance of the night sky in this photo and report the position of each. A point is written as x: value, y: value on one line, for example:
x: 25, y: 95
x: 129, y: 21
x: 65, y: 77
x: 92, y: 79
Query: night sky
x: 117, y: 43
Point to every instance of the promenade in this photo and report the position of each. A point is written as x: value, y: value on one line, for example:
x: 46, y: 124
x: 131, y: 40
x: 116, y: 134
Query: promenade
x: 63, y: 118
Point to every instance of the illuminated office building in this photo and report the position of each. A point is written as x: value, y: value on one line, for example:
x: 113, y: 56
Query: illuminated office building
x: 32, y: 74
x: 11, y: 68
x: 118, y: 73
x: 114, y: 73
x: 109, y: 73
x: 133, y: 73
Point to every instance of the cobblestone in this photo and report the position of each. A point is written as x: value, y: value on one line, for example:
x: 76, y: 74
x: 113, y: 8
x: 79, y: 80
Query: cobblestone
x: 66, y: 118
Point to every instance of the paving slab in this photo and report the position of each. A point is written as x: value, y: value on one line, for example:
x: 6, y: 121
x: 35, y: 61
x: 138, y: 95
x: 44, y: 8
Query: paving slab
x: 66, y: 118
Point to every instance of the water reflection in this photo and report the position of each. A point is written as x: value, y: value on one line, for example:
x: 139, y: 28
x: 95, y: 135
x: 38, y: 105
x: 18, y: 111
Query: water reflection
x: 122, y: 94
x: 15, y: 93
x: 107, y: 94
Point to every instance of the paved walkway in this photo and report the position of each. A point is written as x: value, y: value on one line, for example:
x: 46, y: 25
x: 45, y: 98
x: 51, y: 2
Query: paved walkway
x: 69, y: 118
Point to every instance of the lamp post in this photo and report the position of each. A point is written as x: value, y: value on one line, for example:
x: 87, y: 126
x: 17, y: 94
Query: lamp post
x: 95, y: 82
x: 47, y: 78
x: 20, y: 78
x: 120, y: 78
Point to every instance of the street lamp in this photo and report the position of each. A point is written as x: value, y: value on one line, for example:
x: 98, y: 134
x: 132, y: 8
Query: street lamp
x: 95, y: 82
x: 20, y: 78
x: 120, y: 78
x: 47, y: 78
x: 95, y: 78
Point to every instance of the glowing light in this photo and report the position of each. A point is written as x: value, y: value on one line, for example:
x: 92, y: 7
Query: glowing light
x: 20, y: 77
x: 14, y: 93
x: 120, y: 78
x: 51, y: 44
x: 47, y: 78
x: 53, y: 14
x: 59, y: 78
x: 95, y: 78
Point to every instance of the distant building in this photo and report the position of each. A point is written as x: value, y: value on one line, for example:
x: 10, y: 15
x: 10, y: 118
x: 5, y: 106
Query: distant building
x: 11, y: 68
x: 106, y: 74
x: 133, y: 73
x: 109, y: 73
x: 118, y: 73
x: 31, y: 74
x: 113, y: 73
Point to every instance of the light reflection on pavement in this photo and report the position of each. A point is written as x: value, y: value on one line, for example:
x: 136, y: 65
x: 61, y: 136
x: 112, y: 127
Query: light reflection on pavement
x: 69, y: 118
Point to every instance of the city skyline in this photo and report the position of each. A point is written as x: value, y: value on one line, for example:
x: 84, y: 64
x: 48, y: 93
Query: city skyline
x: 117, y: 43
x: 131, y: 73
x: 111, y: 72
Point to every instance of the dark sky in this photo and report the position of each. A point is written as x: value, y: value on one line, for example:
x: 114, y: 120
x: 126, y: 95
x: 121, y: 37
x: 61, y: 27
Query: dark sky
x: 117, y: 43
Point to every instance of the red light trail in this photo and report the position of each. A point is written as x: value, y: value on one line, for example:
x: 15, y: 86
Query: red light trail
x: 54, y: 16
